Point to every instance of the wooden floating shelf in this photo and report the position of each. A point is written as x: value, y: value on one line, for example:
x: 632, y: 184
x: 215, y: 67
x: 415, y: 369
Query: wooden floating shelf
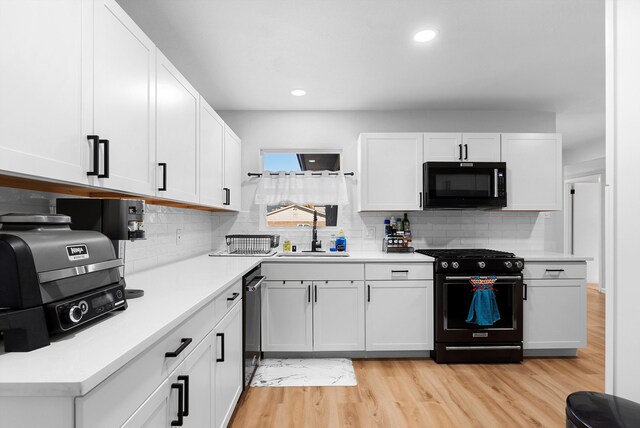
x: 93, y: 192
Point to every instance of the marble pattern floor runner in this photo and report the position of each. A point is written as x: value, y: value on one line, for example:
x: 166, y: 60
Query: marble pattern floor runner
x: 305, y: 372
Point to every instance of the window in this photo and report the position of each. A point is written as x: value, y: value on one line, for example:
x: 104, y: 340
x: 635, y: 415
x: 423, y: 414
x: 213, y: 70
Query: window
x: 297, y: 215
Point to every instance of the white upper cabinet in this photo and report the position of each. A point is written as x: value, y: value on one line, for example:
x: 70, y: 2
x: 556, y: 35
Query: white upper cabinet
x: 534, y: 171
x: 119, y: 101
x: 177, y: 134
x: 41, y: 89
x: 390, y: 167
x: 211, y: 156
x: 457, y: 147
x: 231, y: 192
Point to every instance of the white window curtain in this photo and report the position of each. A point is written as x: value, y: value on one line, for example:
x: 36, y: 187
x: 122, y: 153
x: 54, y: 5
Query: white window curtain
x: 323, y: 189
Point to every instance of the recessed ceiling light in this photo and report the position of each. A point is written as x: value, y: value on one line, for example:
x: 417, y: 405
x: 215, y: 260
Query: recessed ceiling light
x: 298, y: 92
x: 425, y: 36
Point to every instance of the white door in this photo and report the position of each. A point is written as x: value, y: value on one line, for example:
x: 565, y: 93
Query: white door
x: 399, y: 315
x: 443, y: 147
x: 196, y: 374
x: 390, y: 172
x: 229, y: 361
x: 155, y: 411
x: 41, y: 89
x: 481, y: 147
x: 123, y: 104
x: 338, y: 316
x: 554, y: 314
x: 211, y: 156
x: 287, y: 322
x: 587, y: 226
x: 534, y: 171
x: 177, y: 134
x: 232, y: 170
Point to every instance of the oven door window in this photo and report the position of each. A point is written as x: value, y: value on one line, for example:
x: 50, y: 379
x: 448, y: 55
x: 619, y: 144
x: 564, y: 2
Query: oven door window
x: 458, y: 296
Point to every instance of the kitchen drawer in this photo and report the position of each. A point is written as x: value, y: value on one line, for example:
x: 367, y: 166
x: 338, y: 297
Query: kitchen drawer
x: 554, y: 270
x: 398, y: 271
x: 114, y: 400
x: 225, y: 301
x: 313, y: 271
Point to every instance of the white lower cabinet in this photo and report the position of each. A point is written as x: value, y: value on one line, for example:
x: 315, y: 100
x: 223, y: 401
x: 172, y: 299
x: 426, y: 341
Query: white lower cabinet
x: 555, y: 305
x: 287, y: 320
x: 399, y: 315
x: 227, y: 373
x: 338, y: 316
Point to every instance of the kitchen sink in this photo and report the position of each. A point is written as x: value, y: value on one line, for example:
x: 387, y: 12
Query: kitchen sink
x: 314, y: 254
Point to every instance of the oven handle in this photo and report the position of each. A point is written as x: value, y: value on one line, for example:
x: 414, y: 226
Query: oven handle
x: 484, y: 348
x: 253, y: 288
x: 467, y: 278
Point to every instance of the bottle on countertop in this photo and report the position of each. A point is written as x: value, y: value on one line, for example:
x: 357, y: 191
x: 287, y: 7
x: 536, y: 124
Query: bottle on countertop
x: 406, y: 226
x: 399, y: 225
x: 392, y: 220
x: 388, y: 230
x: 341, y: 241
x: 286, y: 246
x: 332, y: 243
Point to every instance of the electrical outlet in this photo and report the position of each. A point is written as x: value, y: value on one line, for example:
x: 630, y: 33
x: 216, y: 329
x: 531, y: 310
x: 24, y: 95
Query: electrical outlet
x: 370, y: 232
x: 178, y: 236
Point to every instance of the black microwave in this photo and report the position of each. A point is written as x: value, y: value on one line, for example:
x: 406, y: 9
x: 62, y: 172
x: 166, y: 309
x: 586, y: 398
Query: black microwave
x: 481, y: 185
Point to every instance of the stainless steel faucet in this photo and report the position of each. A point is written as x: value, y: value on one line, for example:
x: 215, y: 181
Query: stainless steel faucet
x: 315, y: 244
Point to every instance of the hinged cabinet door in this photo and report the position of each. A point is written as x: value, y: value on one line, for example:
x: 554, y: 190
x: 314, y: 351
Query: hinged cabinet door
x: 481, y: 147
x: 177, y: 134
x: 287, y: 320
x: 41, y: 88
x: 399, y: 315
x: 232, y: 171
x: 443, y: 147
x: 338, y: 316
x: 534, y: 171
x: 120, y: 100
x: 390, y: 172
x: 211, y: 156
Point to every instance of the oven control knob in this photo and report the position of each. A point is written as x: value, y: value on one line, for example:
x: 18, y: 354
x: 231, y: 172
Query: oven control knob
x: 455, y: 265
x: 508, y: 264
x: 481, y: 264
x: 75, y: 314
x: 519, y: 264
x: 444, y: 265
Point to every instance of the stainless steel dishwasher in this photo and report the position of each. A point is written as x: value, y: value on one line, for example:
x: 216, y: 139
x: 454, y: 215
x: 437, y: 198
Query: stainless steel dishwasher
x: 251, y: 323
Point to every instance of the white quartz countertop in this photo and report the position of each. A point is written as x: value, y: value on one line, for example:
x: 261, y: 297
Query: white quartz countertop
x: 355, y: 257
x: 75, y: 363
x: 548, y: 256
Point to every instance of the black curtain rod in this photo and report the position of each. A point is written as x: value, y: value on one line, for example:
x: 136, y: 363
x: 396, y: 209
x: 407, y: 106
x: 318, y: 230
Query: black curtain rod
x: 259, y: 174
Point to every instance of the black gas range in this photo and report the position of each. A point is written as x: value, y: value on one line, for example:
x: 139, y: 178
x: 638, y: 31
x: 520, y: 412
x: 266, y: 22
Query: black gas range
x: 478, y: 297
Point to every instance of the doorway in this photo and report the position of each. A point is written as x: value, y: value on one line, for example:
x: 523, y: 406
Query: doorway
x: 584, y: 218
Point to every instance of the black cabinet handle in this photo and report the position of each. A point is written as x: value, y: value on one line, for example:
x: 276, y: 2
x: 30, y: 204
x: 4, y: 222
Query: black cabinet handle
x: 106, y: 159
x: 227, y: 196
x: 221, y: 335
x: 185, y: 379
x: 368, y: 293
x: 96, y: 154
x: 554, y: 270
x: 460, y: 151
x: 400, y: 271
x: 233, y: 297
x: 466, y: 151
x: 420, y: 199
x: 185, y: 342
x: 308, y: 294
x: 315, y: 292
x: 178, y: 422
x: 524, y: 297
x: 163, y: 165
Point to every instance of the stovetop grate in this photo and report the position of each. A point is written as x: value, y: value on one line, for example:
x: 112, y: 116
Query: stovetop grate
x: 464, y: 253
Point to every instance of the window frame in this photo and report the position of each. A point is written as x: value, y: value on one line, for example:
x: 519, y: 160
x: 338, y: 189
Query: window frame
x: 263, y: 208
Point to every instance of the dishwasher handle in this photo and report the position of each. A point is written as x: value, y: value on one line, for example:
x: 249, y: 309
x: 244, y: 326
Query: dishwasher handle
x: 254, y: 284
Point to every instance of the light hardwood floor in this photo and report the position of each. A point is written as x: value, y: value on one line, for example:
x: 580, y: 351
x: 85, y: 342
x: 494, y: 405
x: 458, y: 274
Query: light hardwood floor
x: 421, y: 393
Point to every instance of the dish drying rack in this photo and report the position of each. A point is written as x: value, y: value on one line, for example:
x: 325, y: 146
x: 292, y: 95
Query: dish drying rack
x: 251, y: 244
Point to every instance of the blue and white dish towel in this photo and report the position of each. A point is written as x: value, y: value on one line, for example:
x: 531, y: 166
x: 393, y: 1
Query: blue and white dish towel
x: 484, y: 308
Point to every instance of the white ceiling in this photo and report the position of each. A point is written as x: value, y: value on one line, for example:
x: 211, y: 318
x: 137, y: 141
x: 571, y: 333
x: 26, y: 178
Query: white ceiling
x: 538, y: 55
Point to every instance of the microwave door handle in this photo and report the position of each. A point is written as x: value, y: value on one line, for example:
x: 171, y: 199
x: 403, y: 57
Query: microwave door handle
x: 495, y: 182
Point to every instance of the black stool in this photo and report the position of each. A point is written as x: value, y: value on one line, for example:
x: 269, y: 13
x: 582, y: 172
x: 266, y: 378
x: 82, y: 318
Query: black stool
x: 595, y: 410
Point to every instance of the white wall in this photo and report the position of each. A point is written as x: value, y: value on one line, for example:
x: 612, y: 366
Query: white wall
x: 340, y: 130
x: 623, y: 151
x: 161, y: 223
